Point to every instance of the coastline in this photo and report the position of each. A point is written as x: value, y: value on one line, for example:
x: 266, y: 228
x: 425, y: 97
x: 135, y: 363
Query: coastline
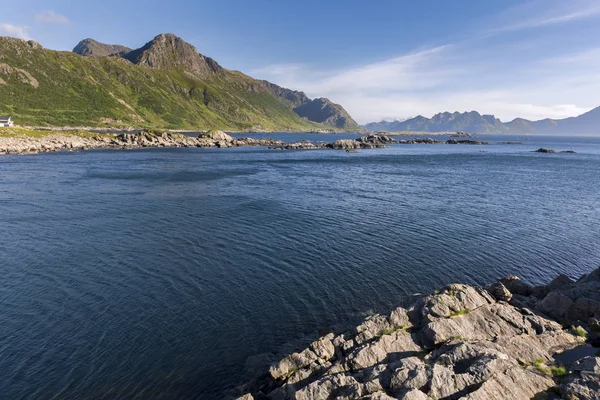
x: 507, y: 340
x: 21, y: 141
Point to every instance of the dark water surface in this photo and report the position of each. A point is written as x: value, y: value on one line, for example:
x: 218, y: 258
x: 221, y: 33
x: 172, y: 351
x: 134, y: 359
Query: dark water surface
x: 157, y: 273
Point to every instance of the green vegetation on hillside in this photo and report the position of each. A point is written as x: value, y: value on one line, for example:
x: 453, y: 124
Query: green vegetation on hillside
x: 50, y: 88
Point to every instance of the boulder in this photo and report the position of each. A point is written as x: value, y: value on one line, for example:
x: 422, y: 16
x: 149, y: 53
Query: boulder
x: 499, y: 292
x: 455, y: 298
x: 555, y: 304
x: 412, y: 374
x: 376, y: 325
x: 397, y: 344
x: 583, y: 382
x: 412, y: 394
x: 345, y: 144
x: 488, y: 322
x: 292, y: 363
x: 338, y: 386
x: 217, y: 136
x: 324, y: 348
x: 516, y: 286
x: 478, y: 372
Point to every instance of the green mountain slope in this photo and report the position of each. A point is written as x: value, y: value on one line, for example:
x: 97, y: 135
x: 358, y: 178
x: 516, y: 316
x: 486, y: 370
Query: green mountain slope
x: 165, y: 89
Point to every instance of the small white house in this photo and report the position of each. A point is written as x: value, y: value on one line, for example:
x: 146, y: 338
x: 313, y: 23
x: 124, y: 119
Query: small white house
x: 6, y: 121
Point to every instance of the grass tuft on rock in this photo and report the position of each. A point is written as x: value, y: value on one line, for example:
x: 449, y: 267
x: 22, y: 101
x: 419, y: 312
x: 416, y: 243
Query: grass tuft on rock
x: 579, y: 331
x: 460, y: 313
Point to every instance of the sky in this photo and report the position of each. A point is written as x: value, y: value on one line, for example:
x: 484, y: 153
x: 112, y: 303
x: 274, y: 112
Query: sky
x: 388, y: 60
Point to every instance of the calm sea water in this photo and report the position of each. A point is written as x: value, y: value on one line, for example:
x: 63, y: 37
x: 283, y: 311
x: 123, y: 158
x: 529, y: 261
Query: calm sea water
x: 157, y: 273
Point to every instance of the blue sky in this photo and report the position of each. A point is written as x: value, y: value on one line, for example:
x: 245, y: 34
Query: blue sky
x: 379, y: 59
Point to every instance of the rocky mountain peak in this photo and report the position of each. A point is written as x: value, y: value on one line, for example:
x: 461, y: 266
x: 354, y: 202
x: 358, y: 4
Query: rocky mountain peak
x: 326, y: 112
x: 92, y: 48
x: 168, y: 51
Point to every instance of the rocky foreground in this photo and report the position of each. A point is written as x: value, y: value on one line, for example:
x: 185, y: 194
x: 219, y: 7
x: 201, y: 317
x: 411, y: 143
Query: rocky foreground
x: 463, y: 342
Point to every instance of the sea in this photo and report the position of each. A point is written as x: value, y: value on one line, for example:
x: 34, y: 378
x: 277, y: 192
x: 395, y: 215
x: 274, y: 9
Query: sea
x: 181, y: 273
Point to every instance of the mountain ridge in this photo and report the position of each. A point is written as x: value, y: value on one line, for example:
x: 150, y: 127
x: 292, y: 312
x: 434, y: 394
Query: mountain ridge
x: 474, y: 122
x: 166, y: 83
x: 93, y: 48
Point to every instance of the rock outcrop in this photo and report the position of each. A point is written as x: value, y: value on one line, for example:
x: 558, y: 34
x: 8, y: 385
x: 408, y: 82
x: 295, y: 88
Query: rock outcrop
x: 463, y: 342
x: 70, y: 142
x: 92, y: 48
x: 167, y: 51
x: 319, y: 110
x: 326, y: 112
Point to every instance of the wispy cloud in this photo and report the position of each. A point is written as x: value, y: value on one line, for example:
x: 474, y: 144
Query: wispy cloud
x: 21, y: 32
x: 527, y: 75
x: 542, y: 13
x: 50, y: 17
x: 406, y: 72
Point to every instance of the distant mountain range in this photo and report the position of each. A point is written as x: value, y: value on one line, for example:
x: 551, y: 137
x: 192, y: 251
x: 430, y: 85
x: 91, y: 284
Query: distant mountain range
x: 166, y: 83
x: 473, y: 122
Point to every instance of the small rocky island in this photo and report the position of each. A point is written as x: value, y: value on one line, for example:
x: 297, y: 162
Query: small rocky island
x: 551, y: 151
x: 507, y: 340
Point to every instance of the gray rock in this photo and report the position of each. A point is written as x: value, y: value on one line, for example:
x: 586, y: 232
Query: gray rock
x: 337, y: 386
x: 555, y: 304
x: 397, y: 343
x: 516, y: 286
x: 481, y: 344
x: 584, y: 380
x: 560, y: 282
x: 292, y: 363
x: 455, y: 298
x: 499, y: 292
x: 477, y: 372
x: 413, y: 374
x: 324, y: 348
x: 583, y: 309
x: 379, y: 396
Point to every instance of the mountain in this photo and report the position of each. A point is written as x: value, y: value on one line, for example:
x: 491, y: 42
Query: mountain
x: 445, y: 122
x: 92, y: 48
x: 473, y: 122
x: 164, y: 84
x: 325, y: 112
x: 168, y: 51
x: 320, y: 110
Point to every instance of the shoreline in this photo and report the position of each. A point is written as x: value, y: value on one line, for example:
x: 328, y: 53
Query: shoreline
x: 507, y: 340
x: 23, y: 142
x: 20, y: 141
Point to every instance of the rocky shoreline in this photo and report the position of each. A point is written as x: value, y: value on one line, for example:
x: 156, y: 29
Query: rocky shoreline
x: 54, y: 142
x: 507, y: 340
x: 371, y: 141
x: 67, y: 141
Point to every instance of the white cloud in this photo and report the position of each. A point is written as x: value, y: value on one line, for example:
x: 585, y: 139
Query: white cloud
x: 526, y: 75
x: 454, y: 78
x: 50, y: 17
x: 20, y: 32
x: 540, y: 13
